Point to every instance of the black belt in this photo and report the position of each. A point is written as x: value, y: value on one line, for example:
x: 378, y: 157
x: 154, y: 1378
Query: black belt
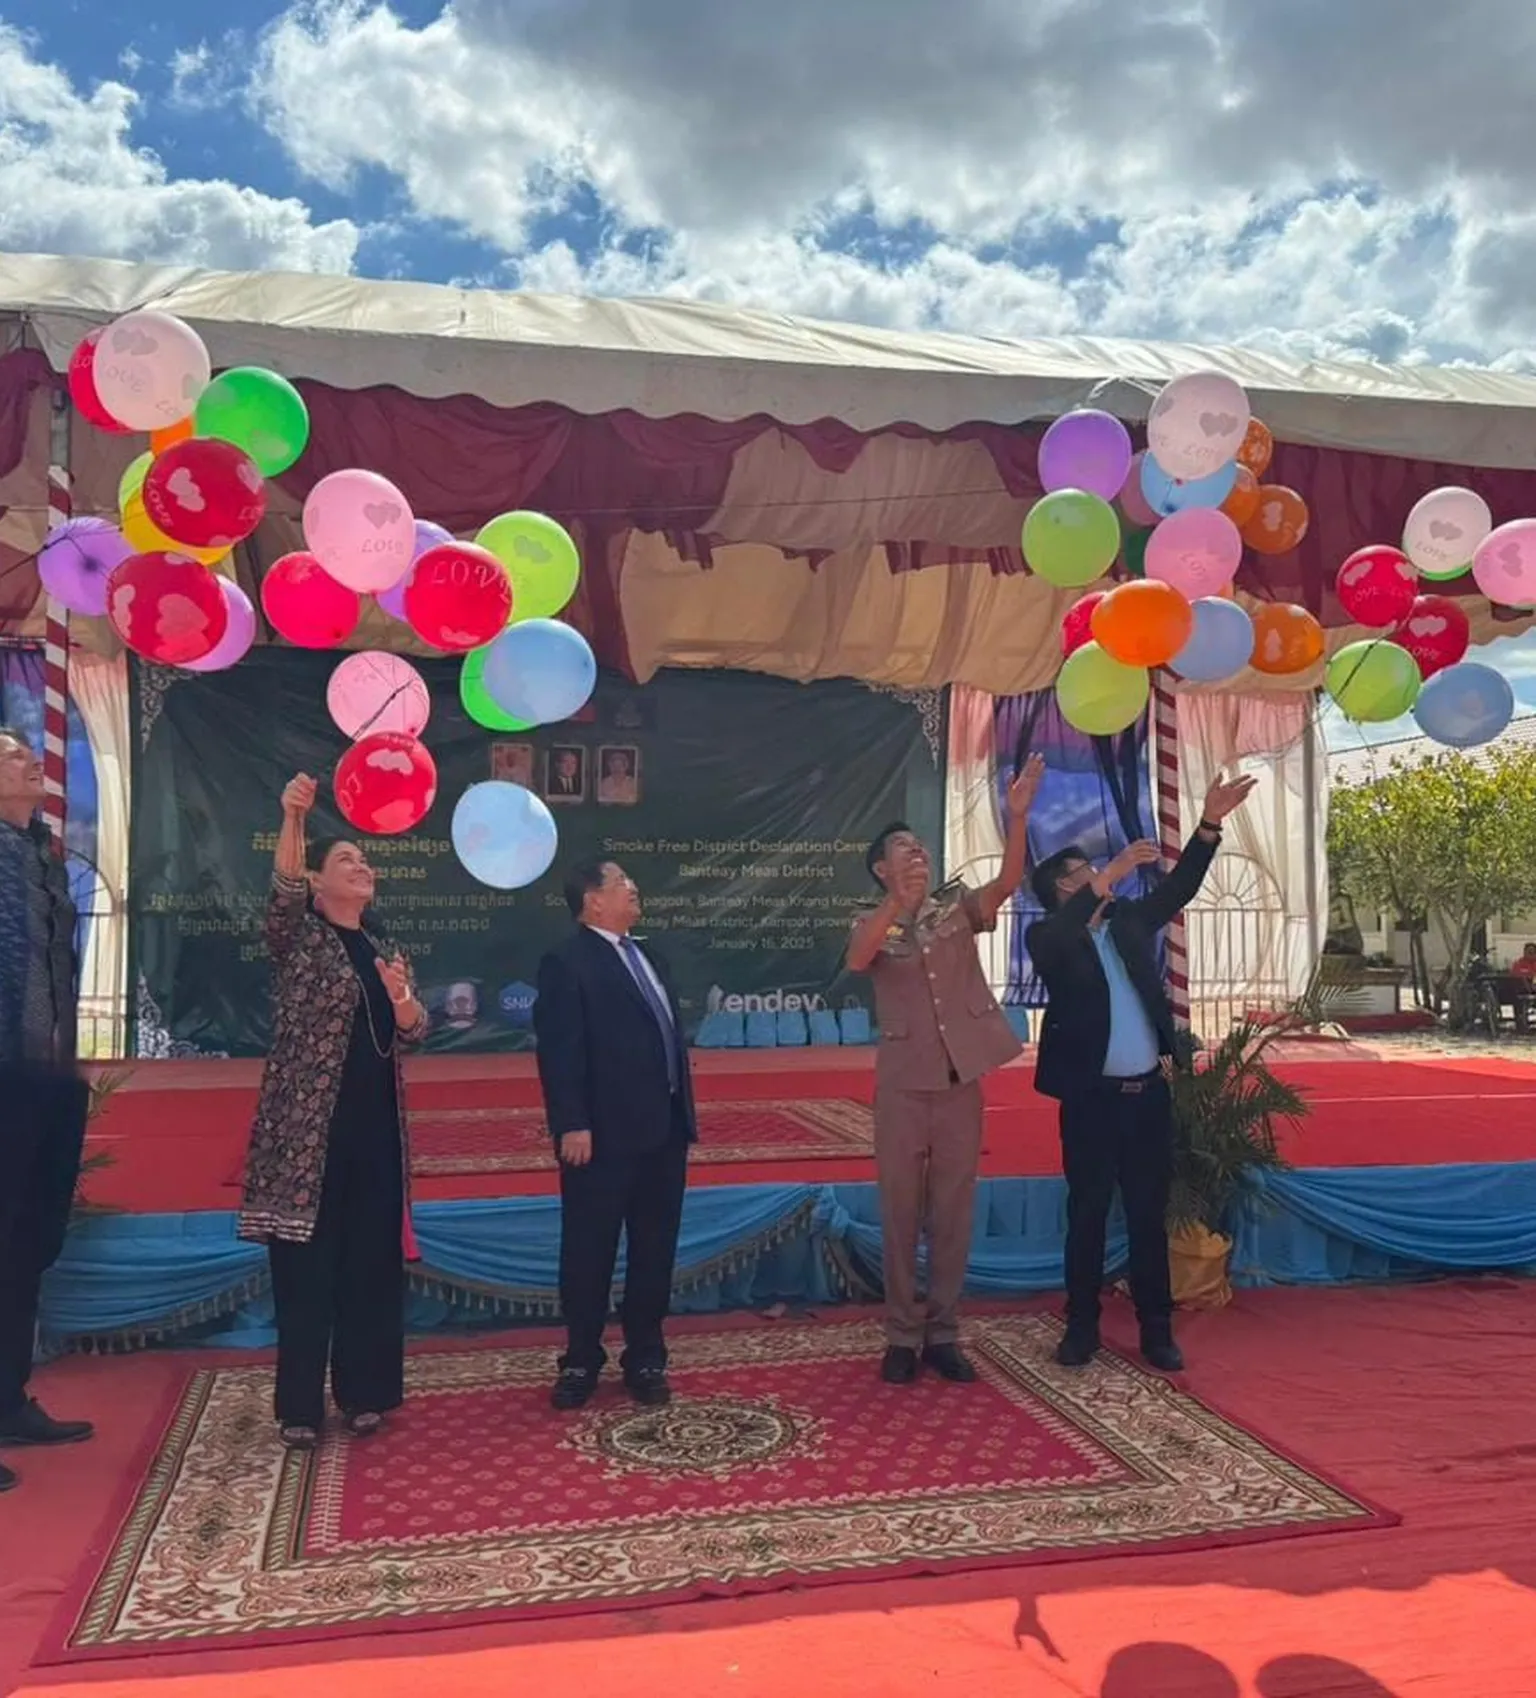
x: 1133, y: 1087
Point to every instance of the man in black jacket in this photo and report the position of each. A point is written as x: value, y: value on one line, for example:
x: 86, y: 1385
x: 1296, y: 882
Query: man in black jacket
x: 619, y: 1098
x: 1106, y: 1048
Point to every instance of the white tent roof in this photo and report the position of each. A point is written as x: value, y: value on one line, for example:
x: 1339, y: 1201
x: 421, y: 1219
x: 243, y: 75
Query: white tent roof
x: 662, y: 357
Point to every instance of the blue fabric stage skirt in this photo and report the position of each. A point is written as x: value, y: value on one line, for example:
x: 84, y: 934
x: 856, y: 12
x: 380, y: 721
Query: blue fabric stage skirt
x: 133, y: 1280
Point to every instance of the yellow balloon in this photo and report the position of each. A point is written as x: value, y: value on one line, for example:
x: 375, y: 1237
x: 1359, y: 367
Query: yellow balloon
x: 146, y: 537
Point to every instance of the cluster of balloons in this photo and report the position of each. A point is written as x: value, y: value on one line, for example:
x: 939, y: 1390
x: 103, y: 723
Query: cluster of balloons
x: 200, y: 489
x: 1188, y: 505
x: 1420, y: 663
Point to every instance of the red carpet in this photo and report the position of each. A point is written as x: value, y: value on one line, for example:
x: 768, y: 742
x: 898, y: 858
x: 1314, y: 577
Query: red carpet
x: 177, y: 1130
x: 782, y: 1462
x: 1419, y: 1397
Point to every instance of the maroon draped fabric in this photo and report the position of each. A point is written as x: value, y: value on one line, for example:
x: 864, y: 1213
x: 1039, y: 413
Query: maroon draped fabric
x: 22, y: 373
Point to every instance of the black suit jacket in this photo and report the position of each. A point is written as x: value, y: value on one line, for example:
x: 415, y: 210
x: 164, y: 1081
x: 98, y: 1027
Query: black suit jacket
x: 602, y: 1056
x: 1075, y: 1035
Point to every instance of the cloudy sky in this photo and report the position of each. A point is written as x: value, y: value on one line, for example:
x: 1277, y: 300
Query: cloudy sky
x: 1311, y: 176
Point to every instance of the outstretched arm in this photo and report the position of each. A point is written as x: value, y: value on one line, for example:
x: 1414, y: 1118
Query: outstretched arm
x: 1183, y: 882
x: 1021, y: 797
x: 1049, y: 938
x: 290, y: 885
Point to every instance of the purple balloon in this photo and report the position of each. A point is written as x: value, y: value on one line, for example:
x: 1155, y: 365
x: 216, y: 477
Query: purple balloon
x: 1086, y: 450
x: 76, y: 560
x: 428, y: 536
x: 238, y: 636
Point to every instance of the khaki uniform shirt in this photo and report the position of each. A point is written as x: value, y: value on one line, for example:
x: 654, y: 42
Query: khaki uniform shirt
x: 939, y: 1022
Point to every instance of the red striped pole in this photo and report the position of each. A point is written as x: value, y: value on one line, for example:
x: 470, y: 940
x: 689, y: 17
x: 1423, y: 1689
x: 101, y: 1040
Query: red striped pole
x: 56, y: 680
x: 1170, y: 833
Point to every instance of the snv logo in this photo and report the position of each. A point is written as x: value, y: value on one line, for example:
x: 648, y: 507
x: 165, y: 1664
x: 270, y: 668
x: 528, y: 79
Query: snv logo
x: 780, y: 1001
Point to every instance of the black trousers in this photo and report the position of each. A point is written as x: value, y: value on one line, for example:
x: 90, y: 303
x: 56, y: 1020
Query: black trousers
x: 340, y: 1298
x: 1121, y: 1135
x: 640, y: 1192
x: 42, y: 1131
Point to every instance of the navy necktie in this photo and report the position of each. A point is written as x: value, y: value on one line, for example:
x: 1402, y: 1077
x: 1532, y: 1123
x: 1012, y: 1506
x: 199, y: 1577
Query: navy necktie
x: 662, y: 1015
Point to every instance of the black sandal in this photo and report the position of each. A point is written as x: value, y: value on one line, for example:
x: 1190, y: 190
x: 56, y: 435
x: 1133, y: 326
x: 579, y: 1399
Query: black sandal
x: 364, y: 1424
x: 298, y: 1438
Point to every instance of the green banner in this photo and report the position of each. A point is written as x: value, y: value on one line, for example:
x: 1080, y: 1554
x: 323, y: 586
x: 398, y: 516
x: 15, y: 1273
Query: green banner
x: 740, y: 804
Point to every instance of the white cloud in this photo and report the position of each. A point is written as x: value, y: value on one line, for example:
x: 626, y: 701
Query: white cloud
x: 72, y: 181
x: 1312, y: 176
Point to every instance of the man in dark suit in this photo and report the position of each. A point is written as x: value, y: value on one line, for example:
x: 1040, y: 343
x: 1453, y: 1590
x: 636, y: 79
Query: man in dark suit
x: 1107, y: 1047
x: 620, y: 1103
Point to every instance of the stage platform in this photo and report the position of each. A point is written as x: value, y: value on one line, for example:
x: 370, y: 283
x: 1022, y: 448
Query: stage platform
x: 176, y: 1130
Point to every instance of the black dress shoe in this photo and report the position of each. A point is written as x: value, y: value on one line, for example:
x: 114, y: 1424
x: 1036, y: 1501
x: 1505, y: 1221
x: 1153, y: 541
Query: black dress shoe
x: 648, y: 1387
x: 899, y: 1367
x: 574, y: 1388
x: 950, y: 1362
x: 1162, y: 1353
x: 1078, y: 1347
x: 8, y: 1478
x: 33, y: 1425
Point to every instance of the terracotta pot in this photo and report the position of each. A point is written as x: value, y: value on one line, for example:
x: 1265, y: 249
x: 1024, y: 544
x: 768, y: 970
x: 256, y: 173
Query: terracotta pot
x: 1197, y: 1260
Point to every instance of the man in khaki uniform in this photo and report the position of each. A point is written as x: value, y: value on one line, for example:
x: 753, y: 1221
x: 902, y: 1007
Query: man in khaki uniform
x: 940, y: 1030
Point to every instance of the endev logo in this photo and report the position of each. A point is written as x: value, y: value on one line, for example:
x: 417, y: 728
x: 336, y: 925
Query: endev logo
x: 780, y: 1001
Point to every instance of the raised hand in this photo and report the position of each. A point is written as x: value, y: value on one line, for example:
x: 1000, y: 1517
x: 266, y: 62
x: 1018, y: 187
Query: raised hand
x: 299, y: 796
x: 396, y: 974
x: 1022, y: 792
x: 1134, y: 855
x: 1223, y: 798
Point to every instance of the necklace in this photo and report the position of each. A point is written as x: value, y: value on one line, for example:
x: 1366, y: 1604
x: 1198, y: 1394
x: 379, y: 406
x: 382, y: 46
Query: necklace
x: 383, y: 1051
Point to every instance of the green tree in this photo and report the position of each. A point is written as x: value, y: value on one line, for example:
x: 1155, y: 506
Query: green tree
x: 1448, y: 843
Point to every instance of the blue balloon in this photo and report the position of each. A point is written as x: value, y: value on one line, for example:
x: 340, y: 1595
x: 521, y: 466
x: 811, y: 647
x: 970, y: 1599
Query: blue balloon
x: 540, y: 671
x: 504, y: 835
x: 1165, y: 495
x: 1465, y: 705
x: 1220, y: 644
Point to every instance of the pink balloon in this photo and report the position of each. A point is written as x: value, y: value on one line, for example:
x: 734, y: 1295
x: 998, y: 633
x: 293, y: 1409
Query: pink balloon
x: 238, y: 636
x: 361, y: 530
x: 1197, y: 424
x: 1505, y: 564
x: 1133, y: 503
x: 149, y: 370
x: 372, y: 692
x: 1197, y: 551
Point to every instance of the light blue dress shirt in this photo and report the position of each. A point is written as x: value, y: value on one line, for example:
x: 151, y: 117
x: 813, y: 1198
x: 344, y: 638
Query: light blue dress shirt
x: 1132, y: 1050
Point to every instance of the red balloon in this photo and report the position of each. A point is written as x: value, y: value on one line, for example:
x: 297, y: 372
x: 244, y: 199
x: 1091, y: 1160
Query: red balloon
x: 82, y: 385
x: 1437, y: 633
x: 1077, y: 626
x: 307, y: 605
x: 386, y: 783
x: 459, y: 597
x: 205, y: 493
x: 167, y: 608
x: 1376, y: 586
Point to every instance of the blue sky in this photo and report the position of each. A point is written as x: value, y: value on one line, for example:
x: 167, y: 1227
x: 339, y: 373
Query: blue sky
x: 1315, y: 179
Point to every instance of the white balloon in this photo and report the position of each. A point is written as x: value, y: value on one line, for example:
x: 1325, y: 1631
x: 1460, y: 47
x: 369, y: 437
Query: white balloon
x: 1197, y: 424
x: 150, y: 369
x: 504, y: 835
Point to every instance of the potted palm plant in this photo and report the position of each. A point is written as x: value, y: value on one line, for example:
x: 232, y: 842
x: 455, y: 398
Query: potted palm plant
x: 102, y: 1087
x: 1227, y: 1111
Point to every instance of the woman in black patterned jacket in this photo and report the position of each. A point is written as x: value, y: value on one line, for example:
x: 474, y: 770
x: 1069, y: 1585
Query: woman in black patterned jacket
x: 327, y: 1178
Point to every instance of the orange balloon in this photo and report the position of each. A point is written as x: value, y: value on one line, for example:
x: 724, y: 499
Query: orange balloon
x: 1258, y: 448
x: 1143, y: 623
x: 1286, y: 639
x: 1280, y: 523
x: 1243, y: 503
x: 160, y: 440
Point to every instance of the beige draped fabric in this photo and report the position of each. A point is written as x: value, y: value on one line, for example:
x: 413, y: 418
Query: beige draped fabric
x: 99, y: 688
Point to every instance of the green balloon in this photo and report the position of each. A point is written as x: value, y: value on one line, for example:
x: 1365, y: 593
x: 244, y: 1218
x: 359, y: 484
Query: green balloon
x: 540, y: 558
x: 1098, y: 694
x: 1071, y: 538
x: 133, y: 477
x: 478, y: 702
x: 1133, y: 551
x: 1373, y: 681
x: 258, y: 411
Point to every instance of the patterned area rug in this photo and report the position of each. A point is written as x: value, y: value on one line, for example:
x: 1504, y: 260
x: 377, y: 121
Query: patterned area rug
x: 782, y: 1462
x: 516, y: 1140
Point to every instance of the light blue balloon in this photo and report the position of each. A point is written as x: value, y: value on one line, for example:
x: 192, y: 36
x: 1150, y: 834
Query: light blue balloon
x: 540, y: 671
x: 1165, y: 495
x: 1220, y: 644
x: 504, y: 835
x: 1465, y: 705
